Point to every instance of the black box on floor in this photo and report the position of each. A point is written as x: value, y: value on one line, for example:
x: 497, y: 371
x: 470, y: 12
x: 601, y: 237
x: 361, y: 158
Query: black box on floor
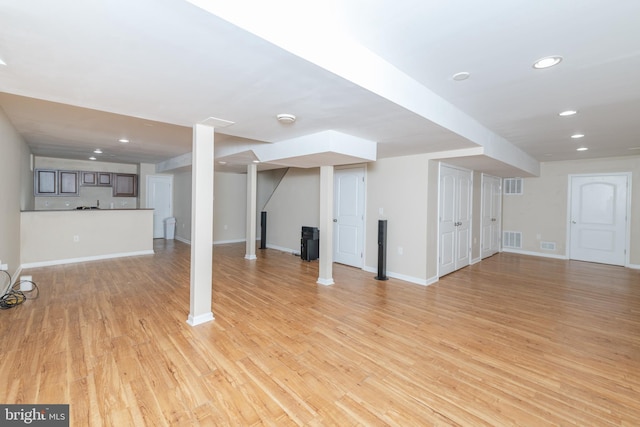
x: 309, y: 243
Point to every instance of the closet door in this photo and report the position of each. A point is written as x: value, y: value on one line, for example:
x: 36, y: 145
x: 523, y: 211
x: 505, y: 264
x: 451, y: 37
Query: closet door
x: 463, y: 214
x: 491, y: 215
x: 454, y: 219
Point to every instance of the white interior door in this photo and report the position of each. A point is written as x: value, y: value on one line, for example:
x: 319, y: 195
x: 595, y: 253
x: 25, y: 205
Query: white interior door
x: 448, y: 221
x: 348, y: 227
x: 159, y: 197
x: 491, y: 215
x: 454, y: 219
x: 598, y: 218
x: 463, y: 195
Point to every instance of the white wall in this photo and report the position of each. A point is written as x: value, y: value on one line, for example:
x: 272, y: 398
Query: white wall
x: 182, y: 204
x: 397, y: 190
x: 144, y: 170
x: 16, y: 192
x: 47, y: 237
x: 267, y: 183
x: 406, y: 188
x: 229, y: 206
x: 542, y: 209
x: 294, y: 204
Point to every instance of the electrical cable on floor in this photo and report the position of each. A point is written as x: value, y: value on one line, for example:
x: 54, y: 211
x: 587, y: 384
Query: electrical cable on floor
x: 14, y: 296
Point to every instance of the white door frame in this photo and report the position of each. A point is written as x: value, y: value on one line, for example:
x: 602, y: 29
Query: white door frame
x: 628, y: 175
x: 498, y: 224
x: 470, y: 228
x: 362, y: 242
x: 168, y: 178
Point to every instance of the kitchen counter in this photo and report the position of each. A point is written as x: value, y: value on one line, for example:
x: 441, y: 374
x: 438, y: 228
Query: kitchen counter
x: 64, y: 236
x: 93, y: 209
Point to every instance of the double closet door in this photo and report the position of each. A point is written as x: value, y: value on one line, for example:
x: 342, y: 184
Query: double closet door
x: 455, y: 219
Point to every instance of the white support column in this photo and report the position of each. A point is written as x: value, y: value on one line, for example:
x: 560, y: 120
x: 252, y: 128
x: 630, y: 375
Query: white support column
x: 252, y: 196
x: 326, y: 226
x: 201, y: 225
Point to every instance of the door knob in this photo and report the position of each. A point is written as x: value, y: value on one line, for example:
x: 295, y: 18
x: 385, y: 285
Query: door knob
x: 573, y: 222
x: 335, y: 220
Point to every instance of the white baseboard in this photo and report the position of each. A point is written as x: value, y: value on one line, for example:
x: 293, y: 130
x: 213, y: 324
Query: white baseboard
x: 84, y: 259
x: 215, y: 242
x: 563, y: 257
x: 223, y: 242
x: 325, y: 282
x: 16, y: 275
x: 540, y: 254
x: 404, y: 277
x: 200, y: 319
x: 14, y: 279
x: 283, y: 249
x: 475, y: 261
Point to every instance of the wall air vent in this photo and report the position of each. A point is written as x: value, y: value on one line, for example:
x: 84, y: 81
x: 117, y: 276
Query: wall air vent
x: 549, y: 246
x: 512, y: 239
x: 512, y: 186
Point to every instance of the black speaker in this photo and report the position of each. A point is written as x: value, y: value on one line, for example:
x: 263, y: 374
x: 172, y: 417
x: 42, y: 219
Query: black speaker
x: 382, y: 250
x: 263, y: 230
x: 310, y: 243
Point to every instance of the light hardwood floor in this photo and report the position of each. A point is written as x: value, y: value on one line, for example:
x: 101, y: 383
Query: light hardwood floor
x: 513, y: 340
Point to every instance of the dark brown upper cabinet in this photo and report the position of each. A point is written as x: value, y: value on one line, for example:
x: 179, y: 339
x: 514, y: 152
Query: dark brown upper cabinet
x: 50, y: 182
x: 125, y: 185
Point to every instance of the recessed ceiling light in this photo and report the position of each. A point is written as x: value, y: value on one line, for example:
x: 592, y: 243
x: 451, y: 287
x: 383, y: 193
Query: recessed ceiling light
x: 222, y: 162
x: 92, y: 158
x: 123, y: 141
x: 2, y: 62
x: 582, y: 149
x: 97, y: 151
x: 547, y: 61
x: 577, y: 135
x: 256, y: 161
x: 567, y: 113
x: 286, y: 118
x: 463, y: 75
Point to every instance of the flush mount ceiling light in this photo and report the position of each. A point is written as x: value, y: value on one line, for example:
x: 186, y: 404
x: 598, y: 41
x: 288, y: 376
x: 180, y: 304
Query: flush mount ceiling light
x: 567, y: 113
x: 97, y: 151
x: 577, y: 136
x: 92, y: 158
x: 582, y: 149
x: 286, y: 118
x: 123, y: 141
x: 547, y: 61
x: 463, y: 75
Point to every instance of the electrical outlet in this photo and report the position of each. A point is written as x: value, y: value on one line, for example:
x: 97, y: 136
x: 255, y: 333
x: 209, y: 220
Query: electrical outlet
x: 76, y: 238
x: 26, y: 283
x: 4, y: 267
x: 400, y: 250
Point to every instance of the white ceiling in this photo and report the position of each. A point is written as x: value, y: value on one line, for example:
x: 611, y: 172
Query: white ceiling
x: 81, y: 75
